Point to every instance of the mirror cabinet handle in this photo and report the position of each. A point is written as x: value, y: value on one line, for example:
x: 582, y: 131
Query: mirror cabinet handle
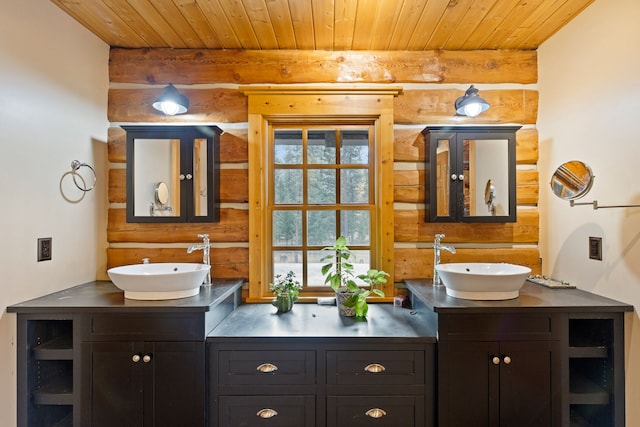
x: 375, y: 413
x: 460, y: 177
x: 135, y: 358
x: 454, y: 177
x: 189, y: 176
x: 182, y: 177
x: 374, y: 368
x: 267, y: 413
x: 267, y: 368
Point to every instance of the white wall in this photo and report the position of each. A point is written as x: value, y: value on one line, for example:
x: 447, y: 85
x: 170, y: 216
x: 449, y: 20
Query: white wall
x: 53, y: 100
x: 589, y: 83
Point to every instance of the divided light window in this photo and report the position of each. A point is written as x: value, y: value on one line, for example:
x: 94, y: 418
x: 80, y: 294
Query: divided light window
x: 321, y: 187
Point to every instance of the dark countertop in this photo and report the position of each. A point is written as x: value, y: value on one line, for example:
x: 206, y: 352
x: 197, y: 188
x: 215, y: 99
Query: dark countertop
x: 323, y: 321
x: 105, y: 296
x: 532, y: 298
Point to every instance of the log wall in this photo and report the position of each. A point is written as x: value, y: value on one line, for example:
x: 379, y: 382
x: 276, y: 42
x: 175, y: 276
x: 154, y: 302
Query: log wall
x: 431, y: 82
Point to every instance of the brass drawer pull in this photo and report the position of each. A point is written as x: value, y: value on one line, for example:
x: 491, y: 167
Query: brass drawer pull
x: 375, y: 413
x: 374, y: 368
x: 267, y: 368
x: 267, y: 413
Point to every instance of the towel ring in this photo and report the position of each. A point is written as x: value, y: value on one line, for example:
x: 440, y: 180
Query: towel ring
x: 75, y: 165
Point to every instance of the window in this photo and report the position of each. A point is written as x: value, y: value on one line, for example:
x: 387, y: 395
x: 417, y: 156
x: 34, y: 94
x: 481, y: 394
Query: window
x: 322, y: 187
x: 307, y: 120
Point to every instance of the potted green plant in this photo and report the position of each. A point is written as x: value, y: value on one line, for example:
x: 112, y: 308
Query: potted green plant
x: 339, y: 274
x: 286, y: 289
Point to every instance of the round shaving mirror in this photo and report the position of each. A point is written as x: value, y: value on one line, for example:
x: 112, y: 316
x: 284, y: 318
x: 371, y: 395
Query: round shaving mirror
x: 162, y: 194
x: 572, y: 180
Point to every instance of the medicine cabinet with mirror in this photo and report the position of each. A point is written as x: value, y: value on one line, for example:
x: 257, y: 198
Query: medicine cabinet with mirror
x: 173, y: 173
x: 471, y: 173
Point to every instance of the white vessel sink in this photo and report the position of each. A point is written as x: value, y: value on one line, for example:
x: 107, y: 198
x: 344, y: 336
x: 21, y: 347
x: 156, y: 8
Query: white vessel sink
x: 483, y: 281
x: 159, y: 281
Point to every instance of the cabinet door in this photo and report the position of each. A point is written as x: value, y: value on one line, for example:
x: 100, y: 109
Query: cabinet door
x: 528, y: 384
x: 468, y: 384
x: 131, y: 384
x: 113, y: 394
x: 175, y: 384
x: 499, y: 384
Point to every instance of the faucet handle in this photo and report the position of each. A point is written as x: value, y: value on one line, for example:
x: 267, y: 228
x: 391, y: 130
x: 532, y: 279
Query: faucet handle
x: 439, y: 236
x: 203, y: 236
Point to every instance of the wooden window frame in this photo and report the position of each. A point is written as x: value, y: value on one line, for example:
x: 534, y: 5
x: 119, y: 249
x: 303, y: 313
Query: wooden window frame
x: 308, y: 104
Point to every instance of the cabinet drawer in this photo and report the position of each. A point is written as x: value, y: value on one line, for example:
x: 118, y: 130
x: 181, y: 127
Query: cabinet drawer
x: 516, y: 326
x: 272, y: 411
x: 385, y: 368
x: 151, y: 327
x: 379, y: 411
x: 270, y: 367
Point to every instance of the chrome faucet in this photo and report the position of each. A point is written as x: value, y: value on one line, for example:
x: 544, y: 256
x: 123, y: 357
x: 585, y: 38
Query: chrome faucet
x: 205, y: 246
x: 437, y: 247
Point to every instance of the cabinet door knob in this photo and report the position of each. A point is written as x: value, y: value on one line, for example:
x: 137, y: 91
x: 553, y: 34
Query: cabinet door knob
x: 495, y: 360
x: 146, y: 358
x: 454, y: 177
x: 375, y: 413
x: 374, y: 368
x: 506, y: 360
x: 182, y: 177
x: 189, y: 176
x: 135, y: 358
x: 267, y: 367
x: 267, y: 413
x: 460, y: 177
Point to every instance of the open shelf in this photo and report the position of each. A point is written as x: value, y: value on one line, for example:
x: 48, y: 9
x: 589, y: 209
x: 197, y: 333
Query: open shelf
x: 49, y: 372
x: 591, y: 372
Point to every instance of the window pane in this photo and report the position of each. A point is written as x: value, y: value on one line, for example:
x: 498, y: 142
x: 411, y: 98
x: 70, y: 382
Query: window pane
x: 355, y: 147
x: 314, y: 268
x: 321, y: 186
x: 287, y: 147
x: 287, y: 228
x: 354, y: 186
x: 355, y: 227
x: 287, y: 187
x: 361, y: 261
x: 285, y: 261
x: 321, y: 147
x: 321, y: 228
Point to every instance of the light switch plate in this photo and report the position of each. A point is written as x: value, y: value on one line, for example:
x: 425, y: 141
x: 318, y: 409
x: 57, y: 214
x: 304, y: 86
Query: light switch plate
x: 595, y: 248
x: 44, y: 249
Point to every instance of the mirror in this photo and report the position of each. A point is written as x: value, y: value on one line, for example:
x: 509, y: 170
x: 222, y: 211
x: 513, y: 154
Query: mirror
x: 572, y: 180
x: 465, y: 166
x: 171, y: 173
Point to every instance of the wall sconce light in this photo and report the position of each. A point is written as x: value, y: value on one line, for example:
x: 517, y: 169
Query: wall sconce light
x: 171, y: 102
x: 470, y: 104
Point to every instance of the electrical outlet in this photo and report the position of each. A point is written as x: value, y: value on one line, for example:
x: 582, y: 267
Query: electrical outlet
x: 44, y: 249
x: 595, y: 248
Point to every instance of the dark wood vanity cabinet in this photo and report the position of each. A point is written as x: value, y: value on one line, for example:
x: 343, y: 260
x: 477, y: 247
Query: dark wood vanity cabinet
x: 311, y: 367
x: 551, y: 357
x: 499, y: 370
x: 89, y: 357
x: 138, y: 383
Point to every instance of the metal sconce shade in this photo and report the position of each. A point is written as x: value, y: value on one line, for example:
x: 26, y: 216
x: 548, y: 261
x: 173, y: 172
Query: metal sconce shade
x: 171, y: 102
x: 470, y: 104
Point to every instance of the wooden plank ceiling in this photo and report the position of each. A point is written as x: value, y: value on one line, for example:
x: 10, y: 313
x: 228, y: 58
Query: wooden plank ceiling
x: 394, y: 25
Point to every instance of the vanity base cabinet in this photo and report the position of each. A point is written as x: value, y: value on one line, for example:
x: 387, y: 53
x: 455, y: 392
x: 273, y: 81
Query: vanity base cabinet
x: 144, y: 383
x: 510, y: 378
x: 319, y: 382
